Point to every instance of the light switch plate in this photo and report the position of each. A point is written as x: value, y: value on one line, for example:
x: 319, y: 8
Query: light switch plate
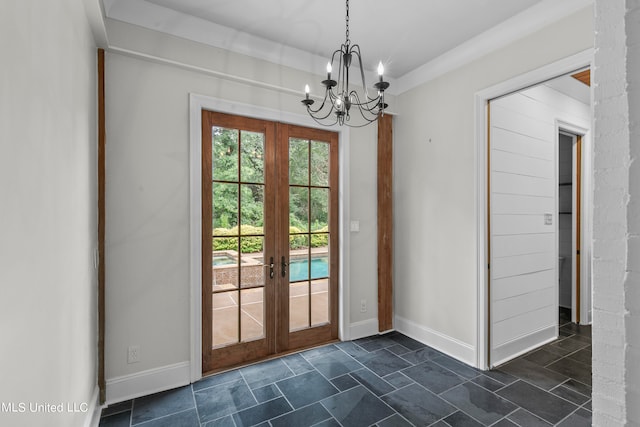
x: 355, y: 226
x: 548, y: 219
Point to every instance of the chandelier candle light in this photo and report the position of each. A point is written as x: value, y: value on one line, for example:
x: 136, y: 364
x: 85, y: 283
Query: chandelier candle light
x: 339, y: 98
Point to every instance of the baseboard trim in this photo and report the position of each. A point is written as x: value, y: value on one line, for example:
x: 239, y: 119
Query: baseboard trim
x: 519, y: 346
x: 450, y: 346
x: 94, y: 411
x: 148, y: 382
x: 362, y: 329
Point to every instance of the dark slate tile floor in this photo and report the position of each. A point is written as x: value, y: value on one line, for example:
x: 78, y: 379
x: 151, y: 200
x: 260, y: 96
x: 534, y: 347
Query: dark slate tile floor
x: 390, y: 380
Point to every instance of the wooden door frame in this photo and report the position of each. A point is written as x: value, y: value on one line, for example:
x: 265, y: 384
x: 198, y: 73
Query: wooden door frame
x: 564, y: 66
x: 234, y: 355
x: 199, y: 102
x: 579, y: 135
x: 276, y: 243
x: 288, y: 341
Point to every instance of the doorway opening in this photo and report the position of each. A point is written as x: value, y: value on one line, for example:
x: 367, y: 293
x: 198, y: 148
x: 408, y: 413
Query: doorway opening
x: 269, y: 239
x: 569, y: 226
x: 519, y: 216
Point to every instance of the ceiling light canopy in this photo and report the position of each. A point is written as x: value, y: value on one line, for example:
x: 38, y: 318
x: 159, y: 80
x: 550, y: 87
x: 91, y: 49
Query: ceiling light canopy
x: 340, y: 100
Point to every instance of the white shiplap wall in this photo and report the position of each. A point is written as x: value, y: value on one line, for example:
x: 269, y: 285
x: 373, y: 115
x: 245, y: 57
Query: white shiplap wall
x: 523, y: 189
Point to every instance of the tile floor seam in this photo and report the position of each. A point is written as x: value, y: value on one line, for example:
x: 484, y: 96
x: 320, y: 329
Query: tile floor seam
x: 469, y: 415
x: 451, y: 370
x: 378, y: 376
x: 327, y: 409
x: 506, y: 417
x: 195, y: 404
x: 323, y: 375
x: 569, y: 415
x: 162, y: 417
x: 215, y: 385
x: 569, y: 388
x: 553, y: 394
x: 285, y: 398
x: 547, y: 392
x: 133, y: 405
x: 320, y: 422
x: 244, y: 379
x: 484, y: 388
x: 565, y: 357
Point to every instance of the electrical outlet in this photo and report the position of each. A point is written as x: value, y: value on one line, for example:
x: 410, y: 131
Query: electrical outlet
x: 133, y: 355
x: 363, y: 306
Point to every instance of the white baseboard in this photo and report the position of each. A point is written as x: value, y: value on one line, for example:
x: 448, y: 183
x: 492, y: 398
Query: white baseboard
x: 362, y: 329
x: 94, y: 410
x: 450, y: 346
x: 514, y: 348
x: 148, y: 382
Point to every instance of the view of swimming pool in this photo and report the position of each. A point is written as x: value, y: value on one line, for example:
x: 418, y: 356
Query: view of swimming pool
x: 223, y: 260
x: 299, y: 269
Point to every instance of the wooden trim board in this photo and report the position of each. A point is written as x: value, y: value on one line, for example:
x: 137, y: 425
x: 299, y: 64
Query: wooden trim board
x: 385, y: 223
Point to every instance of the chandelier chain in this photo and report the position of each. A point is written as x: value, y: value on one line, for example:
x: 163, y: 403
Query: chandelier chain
x: 347, y: 41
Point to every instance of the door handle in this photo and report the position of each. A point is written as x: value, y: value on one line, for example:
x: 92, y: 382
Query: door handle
x: 271, y: 265
x: 283, y: 265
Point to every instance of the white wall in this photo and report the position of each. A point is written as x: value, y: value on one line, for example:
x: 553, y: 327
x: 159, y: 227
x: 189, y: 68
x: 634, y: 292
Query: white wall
x: 434, y: 184
x: 48, y: 211
x: 148, y: 275
x: 616, y: 223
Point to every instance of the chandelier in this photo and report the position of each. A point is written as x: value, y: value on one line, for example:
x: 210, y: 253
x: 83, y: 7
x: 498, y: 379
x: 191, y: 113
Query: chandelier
x: 340, y: 100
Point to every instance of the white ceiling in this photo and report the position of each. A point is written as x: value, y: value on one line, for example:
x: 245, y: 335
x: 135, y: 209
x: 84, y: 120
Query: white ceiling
x: 571, y: 87
x: 406, y: 35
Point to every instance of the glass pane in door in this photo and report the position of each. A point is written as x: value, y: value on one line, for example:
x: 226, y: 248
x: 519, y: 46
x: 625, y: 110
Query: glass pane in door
x: 309, y: 197
x: 225, y: 318
x: 238, y: 214
x: 298, y: 282
x: 252, y: 318
x: 319, y: 163
x: 319, y: 302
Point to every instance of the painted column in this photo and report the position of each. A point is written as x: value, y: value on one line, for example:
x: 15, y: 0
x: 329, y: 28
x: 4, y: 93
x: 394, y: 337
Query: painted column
x: 616, y: 221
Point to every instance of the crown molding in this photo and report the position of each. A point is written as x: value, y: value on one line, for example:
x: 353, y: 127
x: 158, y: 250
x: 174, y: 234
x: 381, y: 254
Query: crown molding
x: 165, y: 20
x: 96, y: 18
x: 159, y: 18
x: 521, y: 25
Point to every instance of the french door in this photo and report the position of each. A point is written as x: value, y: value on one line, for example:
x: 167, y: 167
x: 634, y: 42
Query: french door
x: 269, y: 238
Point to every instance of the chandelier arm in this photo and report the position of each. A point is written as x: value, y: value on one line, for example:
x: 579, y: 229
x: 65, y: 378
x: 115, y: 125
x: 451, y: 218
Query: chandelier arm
x: 355, y: 50
x: 367, y: 122
x: 333, y: 56
x: 343, y: 79
x: 320, y: 120
x: 316, y: 116
x: 369, y: 105
x: 311, y: 110
x: 362, y: 109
